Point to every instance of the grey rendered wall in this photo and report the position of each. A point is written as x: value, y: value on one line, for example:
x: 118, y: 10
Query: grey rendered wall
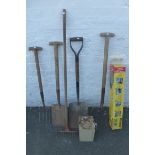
x: 85, y: 18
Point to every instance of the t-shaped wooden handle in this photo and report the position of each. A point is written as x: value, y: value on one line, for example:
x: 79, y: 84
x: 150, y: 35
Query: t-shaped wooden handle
x: 35, y: 48
x: 55, y: 43
x: 107, y: 34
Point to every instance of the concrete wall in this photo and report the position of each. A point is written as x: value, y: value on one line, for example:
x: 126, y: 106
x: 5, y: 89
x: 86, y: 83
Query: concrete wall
x: 85, y: 18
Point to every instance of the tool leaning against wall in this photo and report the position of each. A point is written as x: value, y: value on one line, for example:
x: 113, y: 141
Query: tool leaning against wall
x: 79, y: 108
x: 58, y: 110
x: 35, y: 50
x: 66, y: 127
x: 106, y: 35
x: 61, y: 115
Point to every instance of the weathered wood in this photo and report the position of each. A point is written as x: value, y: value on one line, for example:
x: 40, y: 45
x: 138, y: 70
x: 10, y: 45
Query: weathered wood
x: 107, y: 35
x: 35, y: 50
x: 56, y: 44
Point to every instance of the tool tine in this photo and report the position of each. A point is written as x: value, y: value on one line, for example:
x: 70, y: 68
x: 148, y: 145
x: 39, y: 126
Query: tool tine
x: 49, y: 115
x: 39, y: 114
x: 43, y: 115
x: 41, y: 110
x: 46, y: 115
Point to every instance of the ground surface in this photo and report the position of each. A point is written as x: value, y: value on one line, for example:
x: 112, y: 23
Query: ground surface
x: 42, y: 138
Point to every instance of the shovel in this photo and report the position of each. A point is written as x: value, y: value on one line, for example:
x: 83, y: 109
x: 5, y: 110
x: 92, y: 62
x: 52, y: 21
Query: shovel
x: 58, y: 110
x: 79, y: 108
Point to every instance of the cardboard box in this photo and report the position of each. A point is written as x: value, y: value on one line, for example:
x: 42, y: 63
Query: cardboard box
x: 116, y: 101
x: 86, y: 128
x: 115, y: 123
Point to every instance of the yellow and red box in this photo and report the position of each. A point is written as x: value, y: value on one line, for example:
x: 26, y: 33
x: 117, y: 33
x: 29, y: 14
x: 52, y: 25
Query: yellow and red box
x: 115, y: 123
x: 116, y: 101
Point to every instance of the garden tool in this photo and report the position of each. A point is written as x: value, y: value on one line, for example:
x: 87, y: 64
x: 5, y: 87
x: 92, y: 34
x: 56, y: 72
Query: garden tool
x: 66, y: 129
x: 106, y: 35
x: 35, y: 50
x: 58, y: 110
x: 79, y: 108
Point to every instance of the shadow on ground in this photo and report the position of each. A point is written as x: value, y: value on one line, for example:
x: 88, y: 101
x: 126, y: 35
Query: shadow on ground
x: 42, y: 138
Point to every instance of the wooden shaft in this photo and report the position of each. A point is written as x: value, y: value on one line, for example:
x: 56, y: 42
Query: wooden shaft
x: 57, y: 72
x: 39, y: 76
x: 106, y: 46
x: 105, y: 60
x: 77, y: 77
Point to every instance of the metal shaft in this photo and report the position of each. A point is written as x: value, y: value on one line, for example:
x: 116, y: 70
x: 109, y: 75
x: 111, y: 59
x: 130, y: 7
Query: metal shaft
x: 77, y: 77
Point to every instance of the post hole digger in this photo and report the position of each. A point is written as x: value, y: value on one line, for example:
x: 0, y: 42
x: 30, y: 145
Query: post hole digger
x: 106, y: 47
x: 58, y: 110
x: 79, y: 108
x: 35, y: 50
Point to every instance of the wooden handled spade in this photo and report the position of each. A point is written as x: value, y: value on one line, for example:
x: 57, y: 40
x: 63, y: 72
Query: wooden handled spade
x: 76, y: 39
x: 35, y: 50
x: 58, y: 110
x: 56, y: 44
x: 106, y: 47
x: 79, y: 108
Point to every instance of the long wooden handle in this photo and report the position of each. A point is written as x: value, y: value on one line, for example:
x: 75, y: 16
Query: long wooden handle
x: 57, y: 73
x: 39, y: 77
x: 106, y: 46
